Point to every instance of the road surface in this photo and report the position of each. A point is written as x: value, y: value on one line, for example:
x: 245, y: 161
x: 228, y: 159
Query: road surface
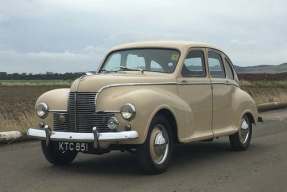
x: 207, y: 166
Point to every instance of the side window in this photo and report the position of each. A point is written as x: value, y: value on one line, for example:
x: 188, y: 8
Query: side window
x: 193, y: 65
x: 215, y: 65
x: 228, y: 69
x: 135, y: 62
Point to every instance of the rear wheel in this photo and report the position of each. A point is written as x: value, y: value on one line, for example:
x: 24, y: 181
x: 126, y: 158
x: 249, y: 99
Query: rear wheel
x: 55, y: 156
x: 241, y: 140
x: 155, y: 154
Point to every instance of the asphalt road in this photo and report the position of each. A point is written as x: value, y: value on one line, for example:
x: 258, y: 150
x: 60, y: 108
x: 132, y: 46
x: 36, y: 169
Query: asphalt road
x: 207, y: 166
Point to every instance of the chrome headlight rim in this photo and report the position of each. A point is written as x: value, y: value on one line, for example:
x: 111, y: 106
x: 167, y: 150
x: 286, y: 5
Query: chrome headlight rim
x: 42, y: 110
x: 128, y: 111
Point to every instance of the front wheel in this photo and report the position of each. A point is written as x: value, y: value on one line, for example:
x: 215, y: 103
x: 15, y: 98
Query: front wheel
x: 155, y: 154
x: 55, y: 156
x: 241, y: 140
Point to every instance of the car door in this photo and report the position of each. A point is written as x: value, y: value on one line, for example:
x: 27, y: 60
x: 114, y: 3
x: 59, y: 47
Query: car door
x: 222, y: 94
x: 195, y: 89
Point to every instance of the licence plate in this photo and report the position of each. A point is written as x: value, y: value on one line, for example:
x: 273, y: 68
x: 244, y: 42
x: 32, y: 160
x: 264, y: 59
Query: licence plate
x: 71, y: 146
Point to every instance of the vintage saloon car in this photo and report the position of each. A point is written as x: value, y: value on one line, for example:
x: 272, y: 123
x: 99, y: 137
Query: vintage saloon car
x: 145, y: 98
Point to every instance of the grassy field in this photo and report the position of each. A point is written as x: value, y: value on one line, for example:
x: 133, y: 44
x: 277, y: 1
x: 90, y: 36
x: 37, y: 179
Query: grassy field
x: 17, y: 98
x: 266, y: 91
x: 17, y: 105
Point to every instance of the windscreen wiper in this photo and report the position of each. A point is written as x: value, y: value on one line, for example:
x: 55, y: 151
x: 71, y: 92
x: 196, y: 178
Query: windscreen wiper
x: 107, y: 71
x: 130, y: 69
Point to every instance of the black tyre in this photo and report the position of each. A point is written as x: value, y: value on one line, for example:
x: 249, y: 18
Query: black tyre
x: 241, y: 140
x: 55, y: 156
x: 155, y: 154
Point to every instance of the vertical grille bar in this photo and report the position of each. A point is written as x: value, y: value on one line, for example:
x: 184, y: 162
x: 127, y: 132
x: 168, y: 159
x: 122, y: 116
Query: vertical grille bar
x: 72, y: 111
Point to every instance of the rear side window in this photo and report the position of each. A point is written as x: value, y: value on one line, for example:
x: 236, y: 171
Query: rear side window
x: 215, y: 65
x: 228, y: 69
x: 193, y: 65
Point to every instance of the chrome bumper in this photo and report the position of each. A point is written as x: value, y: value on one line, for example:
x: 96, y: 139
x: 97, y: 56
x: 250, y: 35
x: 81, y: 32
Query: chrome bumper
x: 82, y: 137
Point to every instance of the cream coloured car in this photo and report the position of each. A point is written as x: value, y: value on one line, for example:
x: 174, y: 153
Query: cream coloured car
x: 145, y: 98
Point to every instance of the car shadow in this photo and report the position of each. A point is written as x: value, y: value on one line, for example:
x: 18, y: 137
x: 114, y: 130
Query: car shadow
x: 124, y: 163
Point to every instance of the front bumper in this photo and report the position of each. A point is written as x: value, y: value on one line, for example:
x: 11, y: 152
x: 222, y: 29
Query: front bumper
x: 81, y: 137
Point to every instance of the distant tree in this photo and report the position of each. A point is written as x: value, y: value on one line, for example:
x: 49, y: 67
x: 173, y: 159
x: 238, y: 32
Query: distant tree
x: 46, y: 76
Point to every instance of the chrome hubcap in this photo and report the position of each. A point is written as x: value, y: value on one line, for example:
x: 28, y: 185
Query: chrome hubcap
x: 244, y: 131
x: 159, y: 144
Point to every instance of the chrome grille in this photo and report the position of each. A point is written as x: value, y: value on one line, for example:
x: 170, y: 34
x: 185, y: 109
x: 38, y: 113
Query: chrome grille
x: 82, y: 116
x: 80, y: 107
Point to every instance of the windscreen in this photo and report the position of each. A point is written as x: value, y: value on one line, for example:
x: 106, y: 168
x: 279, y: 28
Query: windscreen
x: 148, y: 59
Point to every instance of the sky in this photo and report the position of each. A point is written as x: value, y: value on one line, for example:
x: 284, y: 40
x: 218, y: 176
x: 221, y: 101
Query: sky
x: 38, y: 36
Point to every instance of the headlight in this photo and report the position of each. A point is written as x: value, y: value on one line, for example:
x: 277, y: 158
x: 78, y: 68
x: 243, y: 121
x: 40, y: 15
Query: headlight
x: 42, y: 110
x: 128, y: 111
x: 113, y: 123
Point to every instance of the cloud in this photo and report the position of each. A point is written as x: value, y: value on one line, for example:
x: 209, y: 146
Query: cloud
x: 252, y: 32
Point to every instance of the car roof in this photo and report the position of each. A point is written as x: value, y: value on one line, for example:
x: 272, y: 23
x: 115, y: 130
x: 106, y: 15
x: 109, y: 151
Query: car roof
x: 164, y: 44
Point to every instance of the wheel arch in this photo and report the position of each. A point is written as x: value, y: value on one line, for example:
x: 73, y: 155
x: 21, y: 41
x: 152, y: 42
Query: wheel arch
x: 245, y: 105
x: 250, y: 116
x: 171, y: 118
